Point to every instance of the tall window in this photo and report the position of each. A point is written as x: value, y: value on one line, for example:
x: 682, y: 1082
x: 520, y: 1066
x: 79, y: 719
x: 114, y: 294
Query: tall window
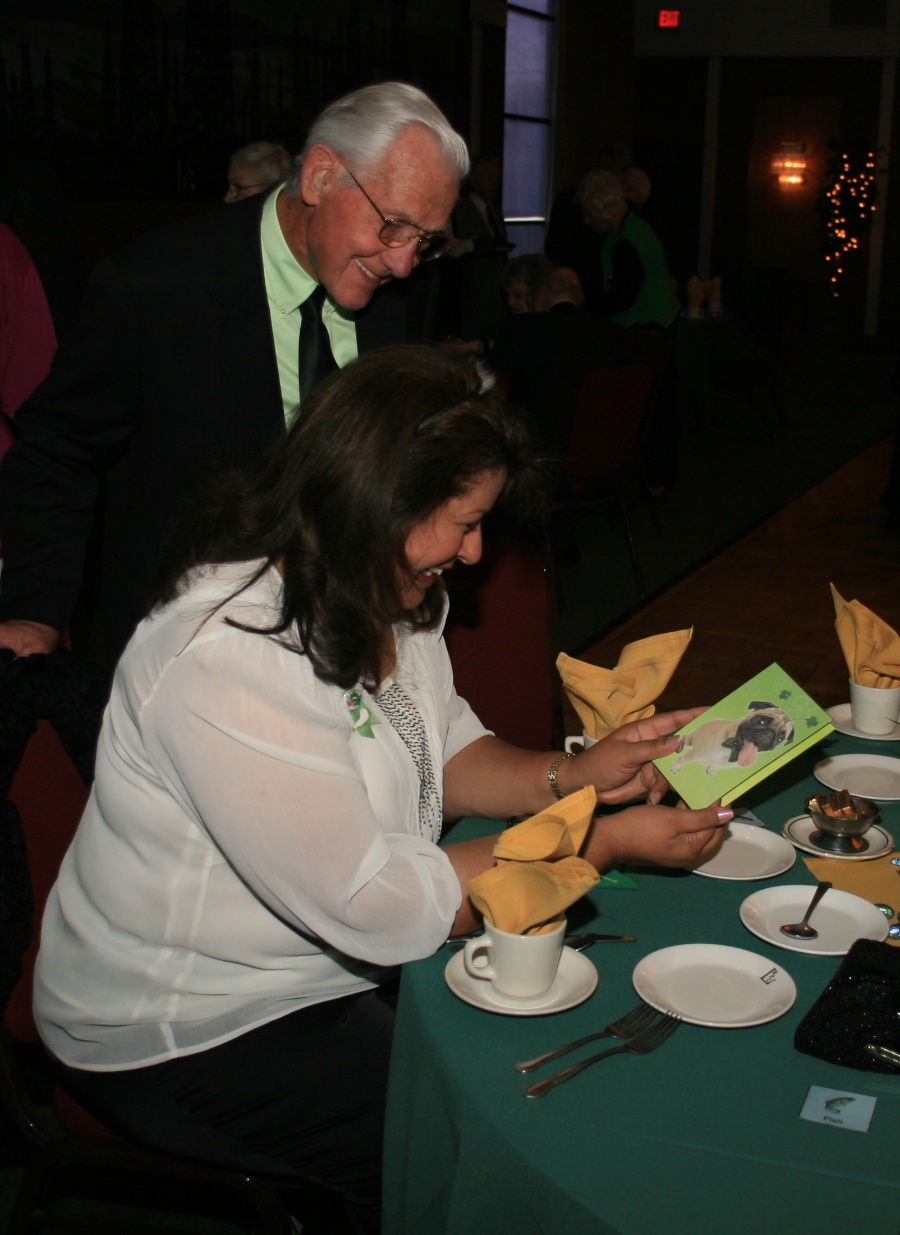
x: 530, y: 61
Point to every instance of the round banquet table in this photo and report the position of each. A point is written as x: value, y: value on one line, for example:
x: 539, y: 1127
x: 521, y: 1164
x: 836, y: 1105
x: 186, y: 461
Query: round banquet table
x: 701, y: 1136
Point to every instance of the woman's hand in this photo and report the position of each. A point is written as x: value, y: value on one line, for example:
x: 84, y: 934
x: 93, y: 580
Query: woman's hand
x: 662, y: 835
x: 619, y: 766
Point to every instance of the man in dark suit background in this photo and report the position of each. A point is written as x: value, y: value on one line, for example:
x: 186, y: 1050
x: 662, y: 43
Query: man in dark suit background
x: 186, y: 355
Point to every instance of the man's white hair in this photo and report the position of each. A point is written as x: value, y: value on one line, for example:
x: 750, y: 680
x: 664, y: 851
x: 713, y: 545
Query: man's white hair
x: 361, y: 126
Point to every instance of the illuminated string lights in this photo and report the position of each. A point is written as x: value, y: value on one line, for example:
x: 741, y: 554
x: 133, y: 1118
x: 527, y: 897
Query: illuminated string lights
x: 847, y: 207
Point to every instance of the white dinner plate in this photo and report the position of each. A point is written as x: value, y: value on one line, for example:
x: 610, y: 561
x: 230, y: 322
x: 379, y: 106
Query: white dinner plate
x: 868, y: 776
x: 575, y: 981
x: 843, y: 722
x: 710, y: 984
x: 799, y: 830
x: 749, y: 853
x: 840, y: 918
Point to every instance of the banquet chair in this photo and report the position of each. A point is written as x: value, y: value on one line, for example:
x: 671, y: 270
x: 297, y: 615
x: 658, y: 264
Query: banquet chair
x: 48, y: 726
x: 601, y: 466
x: 501, y: 636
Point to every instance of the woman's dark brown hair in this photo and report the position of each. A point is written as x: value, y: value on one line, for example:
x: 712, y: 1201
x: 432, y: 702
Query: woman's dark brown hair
x: 377, y: 448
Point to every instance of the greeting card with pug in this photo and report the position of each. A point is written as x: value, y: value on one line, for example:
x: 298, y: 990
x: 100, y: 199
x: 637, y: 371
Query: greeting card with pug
x: 743, y: 738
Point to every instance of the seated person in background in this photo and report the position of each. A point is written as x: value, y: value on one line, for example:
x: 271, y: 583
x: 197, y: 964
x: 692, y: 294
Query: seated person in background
x: 253, y: 168
x: 519, y: 279
x: 636, y: 285
x: 543, y: 355
x: 260, y: 848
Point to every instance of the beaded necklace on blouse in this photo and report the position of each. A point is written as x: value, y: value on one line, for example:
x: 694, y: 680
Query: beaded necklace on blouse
x: 406, y: 721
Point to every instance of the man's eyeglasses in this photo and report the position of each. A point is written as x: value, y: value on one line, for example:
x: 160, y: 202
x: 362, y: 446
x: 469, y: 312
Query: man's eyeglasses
x: 395, y: 233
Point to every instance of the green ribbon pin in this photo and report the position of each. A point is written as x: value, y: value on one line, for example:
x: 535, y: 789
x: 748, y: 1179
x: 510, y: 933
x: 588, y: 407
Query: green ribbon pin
x: 361, y: 719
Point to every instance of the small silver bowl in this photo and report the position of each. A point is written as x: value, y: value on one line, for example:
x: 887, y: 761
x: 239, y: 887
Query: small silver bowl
x: 842, y: 833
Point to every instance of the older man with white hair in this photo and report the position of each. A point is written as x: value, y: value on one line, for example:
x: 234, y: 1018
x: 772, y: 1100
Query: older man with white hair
x: 196, y: 344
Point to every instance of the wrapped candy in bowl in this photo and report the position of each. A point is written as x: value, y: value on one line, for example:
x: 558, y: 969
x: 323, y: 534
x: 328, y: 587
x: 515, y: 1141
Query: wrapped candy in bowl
x: 841, y: 821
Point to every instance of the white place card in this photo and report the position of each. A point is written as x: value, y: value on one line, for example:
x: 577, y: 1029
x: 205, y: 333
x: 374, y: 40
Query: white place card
x: 838, y: 1109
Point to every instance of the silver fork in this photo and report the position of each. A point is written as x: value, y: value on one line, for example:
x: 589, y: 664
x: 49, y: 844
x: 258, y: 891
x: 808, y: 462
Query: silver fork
x: 626, y: 1026
x: 648, y: 1041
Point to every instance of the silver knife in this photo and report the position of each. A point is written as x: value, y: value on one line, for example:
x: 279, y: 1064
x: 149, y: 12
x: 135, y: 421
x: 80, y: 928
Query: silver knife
x: 577, y: 942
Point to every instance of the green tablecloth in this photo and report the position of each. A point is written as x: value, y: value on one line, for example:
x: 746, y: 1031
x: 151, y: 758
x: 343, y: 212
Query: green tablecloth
x: 702, y: 1136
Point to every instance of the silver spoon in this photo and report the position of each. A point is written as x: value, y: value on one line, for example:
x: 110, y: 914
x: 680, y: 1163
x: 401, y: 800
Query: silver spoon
x: 801, y: 929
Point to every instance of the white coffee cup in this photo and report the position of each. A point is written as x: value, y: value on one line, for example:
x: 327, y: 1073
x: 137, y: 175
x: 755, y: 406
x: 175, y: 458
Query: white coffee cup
x: 520, y: 966
x: 875, y: 709
x: 577, y: 741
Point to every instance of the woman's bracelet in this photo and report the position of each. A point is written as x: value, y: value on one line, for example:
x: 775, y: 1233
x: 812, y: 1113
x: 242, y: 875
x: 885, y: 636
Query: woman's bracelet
x: 552, y: 774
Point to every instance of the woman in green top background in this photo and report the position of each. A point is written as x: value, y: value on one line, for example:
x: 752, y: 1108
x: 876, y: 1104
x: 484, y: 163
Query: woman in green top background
x: 637, y: 286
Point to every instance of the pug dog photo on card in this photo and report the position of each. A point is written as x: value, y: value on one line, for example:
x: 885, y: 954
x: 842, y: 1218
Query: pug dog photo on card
x: 743, y: 738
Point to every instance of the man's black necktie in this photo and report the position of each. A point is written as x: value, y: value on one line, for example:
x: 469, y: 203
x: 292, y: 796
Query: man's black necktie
x: 316, y: 360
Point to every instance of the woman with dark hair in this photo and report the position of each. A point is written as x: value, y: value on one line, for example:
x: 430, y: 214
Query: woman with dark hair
x: 260, y: 851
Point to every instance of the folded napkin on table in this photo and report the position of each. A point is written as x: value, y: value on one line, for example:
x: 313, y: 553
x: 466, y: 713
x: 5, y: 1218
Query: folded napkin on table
x: 876, y: 880
x: 871, y: 647
x: 538, y: 873
x: 606, y: 699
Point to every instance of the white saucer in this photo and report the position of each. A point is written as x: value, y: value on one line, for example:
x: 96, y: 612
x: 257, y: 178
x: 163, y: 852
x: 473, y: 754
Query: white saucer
x: 749, y: 852
x: 842, y: 721
x: 799, y: 830
x: 867, y: 776
x: 575, y: 980
x: 840, y: 918
x: 710, y: 984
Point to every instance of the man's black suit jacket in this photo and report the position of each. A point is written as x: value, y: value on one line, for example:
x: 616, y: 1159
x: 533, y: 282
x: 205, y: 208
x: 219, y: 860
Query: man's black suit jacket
x: 170, y: 372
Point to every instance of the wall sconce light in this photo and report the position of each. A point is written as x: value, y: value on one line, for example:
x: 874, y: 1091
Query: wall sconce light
x: 789, y: 164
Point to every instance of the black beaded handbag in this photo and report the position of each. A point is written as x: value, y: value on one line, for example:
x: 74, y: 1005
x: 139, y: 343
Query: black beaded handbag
x: 859, y: 1006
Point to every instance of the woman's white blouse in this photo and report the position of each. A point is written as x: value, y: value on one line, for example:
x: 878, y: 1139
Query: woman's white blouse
x: 245, y: 850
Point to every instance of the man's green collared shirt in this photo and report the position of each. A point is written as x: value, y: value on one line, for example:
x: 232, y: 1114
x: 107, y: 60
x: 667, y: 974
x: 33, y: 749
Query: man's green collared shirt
x: 287, y: 286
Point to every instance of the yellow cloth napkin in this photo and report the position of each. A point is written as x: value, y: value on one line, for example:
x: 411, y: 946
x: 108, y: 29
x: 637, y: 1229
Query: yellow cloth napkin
x: 871, y: 647
x: 538, y: 875
x: 606, y: 699
x: 696, y: 291
x: 714, y: 293
x: 877, y: 881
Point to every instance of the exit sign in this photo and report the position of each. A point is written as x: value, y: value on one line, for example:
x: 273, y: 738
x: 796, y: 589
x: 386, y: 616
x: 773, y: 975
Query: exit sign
x: 669, y: 19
